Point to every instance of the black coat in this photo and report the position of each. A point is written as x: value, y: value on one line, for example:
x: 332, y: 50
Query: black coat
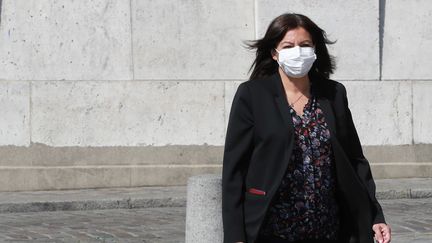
x: 259, y: 143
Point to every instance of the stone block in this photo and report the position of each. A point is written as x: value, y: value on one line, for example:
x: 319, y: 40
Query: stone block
x: 422, y: 112
x: 401, y: 170
x: 72, y: 40
x: 407, y: 40
x: 381, y: 111
x: 63, y: 177
x: 204, y: 209
x: 33, y: 178
x: 399, y: 153
x: 168, y: 175
x: 67, y: 113
x: 38, y: 154
x: 353, y: 24
x: 15, y: 112
x: 192, y: 40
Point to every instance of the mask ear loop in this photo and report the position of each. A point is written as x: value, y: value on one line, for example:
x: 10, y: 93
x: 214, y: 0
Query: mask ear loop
x: 277, y: 58
x: 313, y: 48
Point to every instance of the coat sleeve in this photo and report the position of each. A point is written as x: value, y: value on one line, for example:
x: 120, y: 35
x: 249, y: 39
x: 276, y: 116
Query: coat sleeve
x: 358, y: 160
x: 237, y: 152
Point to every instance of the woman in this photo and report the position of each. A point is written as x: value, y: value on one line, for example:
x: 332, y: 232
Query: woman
x: 293, y: 166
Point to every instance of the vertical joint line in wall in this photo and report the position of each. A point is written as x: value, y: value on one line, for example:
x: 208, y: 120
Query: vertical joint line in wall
x: 30, y: 112
x: 131, y: 39
x: 255, y: 19
x: 1, y: 4
x: 1, y: 13
x: 225, y: 106
x: 381, y: 19
x: 412, y: 112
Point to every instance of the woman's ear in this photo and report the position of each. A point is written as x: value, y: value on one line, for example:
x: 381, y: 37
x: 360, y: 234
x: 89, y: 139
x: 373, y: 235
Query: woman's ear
x: 274, y: 54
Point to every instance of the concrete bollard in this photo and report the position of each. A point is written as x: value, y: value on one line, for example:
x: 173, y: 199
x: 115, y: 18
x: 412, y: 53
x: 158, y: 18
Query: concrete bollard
x: 204, y: 209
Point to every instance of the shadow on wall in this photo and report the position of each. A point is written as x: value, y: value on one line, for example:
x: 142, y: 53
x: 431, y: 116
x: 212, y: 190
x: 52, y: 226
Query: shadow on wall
x: 0, y: 10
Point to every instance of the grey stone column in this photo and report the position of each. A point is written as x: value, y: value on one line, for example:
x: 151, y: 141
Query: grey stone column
x: 204, y: 209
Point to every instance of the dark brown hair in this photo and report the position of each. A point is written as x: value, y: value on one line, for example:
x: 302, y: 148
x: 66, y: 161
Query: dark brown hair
x: 264, y: 65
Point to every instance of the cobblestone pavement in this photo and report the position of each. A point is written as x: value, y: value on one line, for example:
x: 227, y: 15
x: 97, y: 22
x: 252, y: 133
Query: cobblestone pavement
x: 114, y: 225
x: 411, y: 221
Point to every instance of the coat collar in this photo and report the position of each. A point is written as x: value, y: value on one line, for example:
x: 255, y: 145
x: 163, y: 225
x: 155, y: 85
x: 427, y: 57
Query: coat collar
x: 318, y: 89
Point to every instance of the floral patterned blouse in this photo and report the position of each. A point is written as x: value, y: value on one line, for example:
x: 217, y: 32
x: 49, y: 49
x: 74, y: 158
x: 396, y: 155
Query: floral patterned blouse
x: 304, y: 206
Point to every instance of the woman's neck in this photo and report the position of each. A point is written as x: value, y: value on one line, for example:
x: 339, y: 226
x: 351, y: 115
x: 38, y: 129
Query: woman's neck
x: 295, y: 85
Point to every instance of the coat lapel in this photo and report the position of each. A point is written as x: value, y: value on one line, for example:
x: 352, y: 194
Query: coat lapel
x: 328, y: 115
x: 282, y: 105
x: 281, y: 102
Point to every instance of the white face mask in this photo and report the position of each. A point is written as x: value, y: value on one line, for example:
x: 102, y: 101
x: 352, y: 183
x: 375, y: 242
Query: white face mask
x: 296, y: 61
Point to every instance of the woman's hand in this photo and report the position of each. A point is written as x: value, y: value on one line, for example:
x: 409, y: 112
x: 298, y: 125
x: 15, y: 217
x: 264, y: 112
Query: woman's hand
x: 382, y: 233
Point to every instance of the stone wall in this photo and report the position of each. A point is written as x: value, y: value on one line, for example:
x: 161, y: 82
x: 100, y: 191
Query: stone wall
x: 110, y: 93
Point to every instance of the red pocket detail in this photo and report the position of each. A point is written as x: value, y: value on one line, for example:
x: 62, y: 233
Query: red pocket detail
x: 256, y: 191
